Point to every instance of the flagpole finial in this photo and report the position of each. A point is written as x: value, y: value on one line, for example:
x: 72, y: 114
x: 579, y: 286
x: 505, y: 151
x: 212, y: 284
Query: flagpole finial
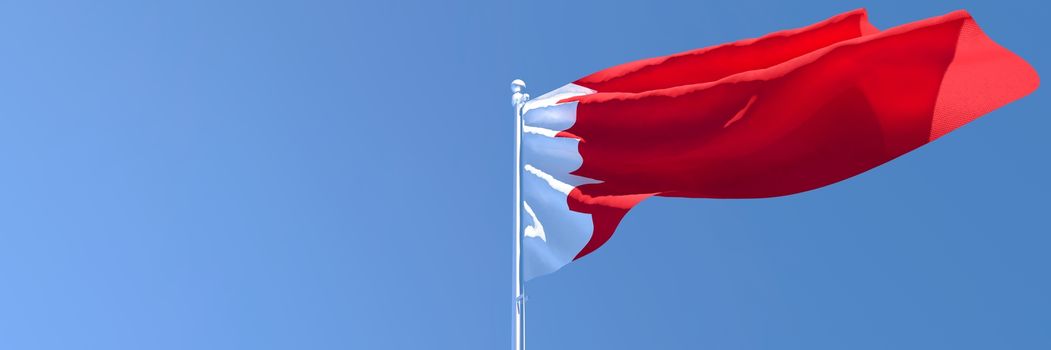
x: 519, y: 97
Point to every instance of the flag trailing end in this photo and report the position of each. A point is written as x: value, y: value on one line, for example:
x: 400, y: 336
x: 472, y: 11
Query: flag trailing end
x: 781, y: 114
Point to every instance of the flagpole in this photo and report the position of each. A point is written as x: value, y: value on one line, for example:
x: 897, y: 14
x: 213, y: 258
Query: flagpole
x: 518, y: 100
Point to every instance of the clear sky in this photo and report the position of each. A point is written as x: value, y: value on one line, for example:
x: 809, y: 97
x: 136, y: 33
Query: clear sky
x: 337, y: 175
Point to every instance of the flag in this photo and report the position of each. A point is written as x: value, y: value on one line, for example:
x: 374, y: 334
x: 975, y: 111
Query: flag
x: 786, y: 113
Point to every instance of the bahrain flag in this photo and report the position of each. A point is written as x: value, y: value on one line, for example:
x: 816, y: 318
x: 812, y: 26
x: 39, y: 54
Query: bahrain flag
x: 788, y: 112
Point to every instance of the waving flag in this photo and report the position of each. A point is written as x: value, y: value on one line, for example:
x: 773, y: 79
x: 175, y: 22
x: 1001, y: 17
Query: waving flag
x: 785, y: 113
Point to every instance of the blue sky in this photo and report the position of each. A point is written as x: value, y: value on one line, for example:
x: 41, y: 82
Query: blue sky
x: 337, y: 175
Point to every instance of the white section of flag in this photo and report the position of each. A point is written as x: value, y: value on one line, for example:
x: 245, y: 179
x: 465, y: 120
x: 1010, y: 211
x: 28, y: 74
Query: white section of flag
x: 552, y: 234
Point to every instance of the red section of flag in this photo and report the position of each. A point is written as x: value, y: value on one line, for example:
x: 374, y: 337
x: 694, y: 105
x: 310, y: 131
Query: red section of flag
x: 717, y: 62
x: 782, y: 114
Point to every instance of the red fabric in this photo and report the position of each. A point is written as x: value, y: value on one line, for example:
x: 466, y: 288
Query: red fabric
x: 717, y: 62
x: 783, y: 114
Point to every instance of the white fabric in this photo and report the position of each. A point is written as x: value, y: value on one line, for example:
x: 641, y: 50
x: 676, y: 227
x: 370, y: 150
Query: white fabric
x: 552, y: 234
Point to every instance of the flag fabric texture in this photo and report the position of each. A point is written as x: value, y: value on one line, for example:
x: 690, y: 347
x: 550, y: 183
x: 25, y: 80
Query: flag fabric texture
x: 788, y: 112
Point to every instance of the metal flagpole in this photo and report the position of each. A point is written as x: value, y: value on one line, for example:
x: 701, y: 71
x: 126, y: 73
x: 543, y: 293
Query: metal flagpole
x: 518, y: 101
